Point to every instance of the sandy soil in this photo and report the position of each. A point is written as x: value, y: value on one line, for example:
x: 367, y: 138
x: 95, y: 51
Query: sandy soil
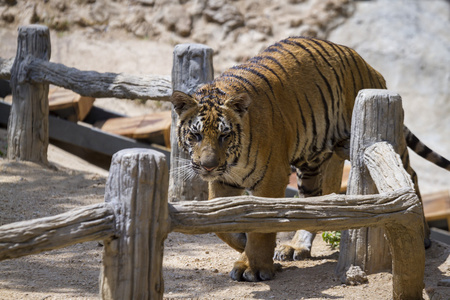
x: 195, y: 266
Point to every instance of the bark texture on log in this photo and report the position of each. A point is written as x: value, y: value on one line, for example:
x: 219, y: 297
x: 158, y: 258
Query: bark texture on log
x: 89, y: 223
x: 192, y: 67
x: 405, y: 234
x: 137, y: 189
x: 255, y: 214
x: 28, y: 120
x: 99, y: 85
x: 377, y: 116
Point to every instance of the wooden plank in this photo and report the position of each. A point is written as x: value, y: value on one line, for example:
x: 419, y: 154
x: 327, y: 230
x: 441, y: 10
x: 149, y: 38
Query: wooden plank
x: 94, y: 139
x: 69, y: 104
x: 155, y: 124
x: 141, y: 127
x: 125, y: 126
x: 59, y: 98
x: 86, y: 136
x: 436, y: 206
x: 97, y: 114
x: 440, y: 235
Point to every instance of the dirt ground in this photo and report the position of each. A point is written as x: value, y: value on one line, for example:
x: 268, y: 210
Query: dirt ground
x: 195, y: 266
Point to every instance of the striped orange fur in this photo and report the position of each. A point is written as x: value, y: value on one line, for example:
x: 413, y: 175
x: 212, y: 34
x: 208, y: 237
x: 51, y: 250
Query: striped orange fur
x: 290, y: 105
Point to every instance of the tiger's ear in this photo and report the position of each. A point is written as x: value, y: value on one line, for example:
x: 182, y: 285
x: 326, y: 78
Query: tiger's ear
x: 182, y: 102
x: 239, y: 103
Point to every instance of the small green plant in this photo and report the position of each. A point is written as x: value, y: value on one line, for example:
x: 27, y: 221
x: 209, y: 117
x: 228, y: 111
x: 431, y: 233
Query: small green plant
x: 333, y: 238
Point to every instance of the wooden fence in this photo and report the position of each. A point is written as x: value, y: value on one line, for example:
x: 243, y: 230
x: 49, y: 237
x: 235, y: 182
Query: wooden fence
x: 136, y: 216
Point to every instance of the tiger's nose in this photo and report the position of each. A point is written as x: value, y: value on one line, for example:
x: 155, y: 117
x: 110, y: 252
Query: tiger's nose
x: 209, y: 162
x: 209, y: 169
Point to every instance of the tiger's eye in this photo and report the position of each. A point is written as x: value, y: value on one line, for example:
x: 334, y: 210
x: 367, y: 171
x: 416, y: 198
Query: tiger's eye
x: 223, y: 137
x: 198, y: 136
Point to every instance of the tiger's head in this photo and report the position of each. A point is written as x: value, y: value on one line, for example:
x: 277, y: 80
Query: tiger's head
x: 210, y: 129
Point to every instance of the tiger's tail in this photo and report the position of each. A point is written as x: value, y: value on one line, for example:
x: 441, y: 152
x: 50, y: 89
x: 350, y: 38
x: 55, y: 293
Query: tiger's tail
x: 421, y: 149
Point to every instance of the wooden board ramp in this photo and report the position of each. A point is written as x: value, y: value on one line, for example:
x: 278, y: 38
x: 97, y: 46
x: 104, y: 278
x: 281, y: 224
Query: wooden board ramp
x: 71, y: 106
x: 68, y: 104
x: 152, y: 127
x: 436, y: 206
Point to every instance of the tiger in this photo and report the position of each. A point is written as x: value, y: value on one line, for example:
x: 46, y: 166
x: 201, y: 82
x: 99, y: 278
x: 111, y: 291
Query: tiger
x: 291, y: 105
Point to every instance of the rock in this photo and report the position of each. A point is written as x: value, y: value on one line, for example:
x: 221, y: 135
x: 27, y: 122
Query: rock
x: 260, y: 24
x: 296, y: 22
x: 100, y: 13
x: 354, y: 276
x: 139, y: 26
x: 10, y: 2
x: 409, y: 44
x: 227, y: 14
x: 61, y: 5
x: 146, y: 2
x: 177, y: 19
x: 7, y: 16
x: 214, y: 4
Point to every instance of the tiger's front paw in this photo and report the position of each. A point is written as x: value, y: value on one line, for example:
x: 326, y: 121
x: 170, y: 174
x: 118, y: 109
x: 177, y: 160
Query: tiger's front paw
x: 287, y: 253
x: 242, y: 272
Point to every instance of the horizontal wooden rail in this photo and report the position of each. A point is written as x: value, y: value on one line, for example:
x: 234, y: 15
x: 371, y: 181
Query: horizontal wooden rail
x: 92, y: 83
x: 89, y: 223
x: 255, y: 214
x: 136, y: 208
x: 237, y: 214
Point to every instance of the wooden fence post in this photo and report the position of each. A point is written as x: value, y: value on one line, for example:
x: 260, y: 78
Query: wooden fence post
x: 28, y: 121
x: 192, y: 66
x: 377, y: 116
x: 132, y: 262
x: 406, y: 233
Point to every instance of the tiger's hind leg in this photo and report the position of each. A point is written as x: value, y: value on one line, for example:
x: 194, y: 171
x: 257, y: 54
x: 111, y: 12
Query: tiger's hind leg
x: 324, y: 179
x: 309, y: 184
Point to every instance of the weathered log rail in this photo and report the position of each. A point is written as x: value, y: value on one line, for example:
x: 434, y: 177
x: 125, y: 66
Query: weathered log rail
x: 136, y: 208
x: 136, y: 216
x: 237, y: 214
x: 88, y: 83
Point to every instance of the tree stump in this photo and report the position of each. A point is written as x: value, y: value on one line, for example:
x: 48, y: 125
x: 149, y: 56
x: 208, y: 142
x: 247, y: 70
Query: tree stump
x: 192, y: 67
x: 28, y: 121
